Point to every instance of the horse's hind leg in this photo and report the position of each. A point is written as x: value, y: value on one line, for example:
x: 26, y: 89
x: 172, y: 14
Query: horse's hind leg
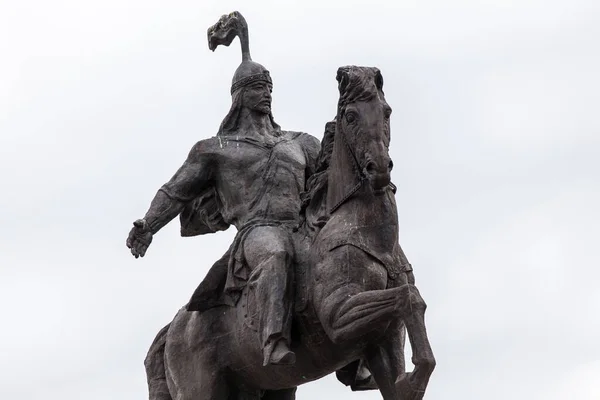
x: 197, y: 381
x: 155, y: 367
x: 192, y: 367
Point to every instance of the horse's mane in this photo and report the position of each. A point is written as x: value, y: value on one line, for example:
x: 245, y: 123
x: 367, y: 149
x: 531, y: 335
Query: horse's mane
x: 319, y: 178
x: 314, y: 197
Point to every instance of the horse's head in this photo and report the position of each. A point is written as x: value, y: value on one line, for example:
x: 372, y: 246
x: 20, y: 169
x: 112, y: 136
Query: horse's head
x: 363, y: 121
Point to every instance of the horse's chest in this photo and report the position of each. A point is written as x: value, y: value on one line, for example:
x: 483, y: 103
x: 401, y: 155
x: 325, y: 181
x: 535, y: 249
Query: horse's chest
x: 379, y: 242
x: 375, y: 276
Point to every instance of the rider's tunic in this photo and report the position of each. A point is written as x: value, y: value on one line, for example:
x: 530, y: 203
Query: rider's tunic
x: 256, y: 184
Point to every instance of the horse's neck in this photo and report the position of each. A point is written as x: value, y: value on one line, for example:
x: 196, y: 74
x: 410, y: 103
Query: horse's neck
x: 366, y: 209
x: 343, y: 172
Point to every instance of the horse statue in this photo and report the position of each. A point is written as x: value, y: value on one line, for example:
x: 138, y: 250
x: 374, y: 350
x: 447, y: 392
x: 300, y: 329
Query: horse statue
x: 355, y: 291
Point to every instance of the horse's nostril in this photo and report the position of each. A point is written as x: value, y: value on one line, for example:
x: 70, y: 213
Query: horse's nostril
x: 390, y: 165
x: 370, y: 168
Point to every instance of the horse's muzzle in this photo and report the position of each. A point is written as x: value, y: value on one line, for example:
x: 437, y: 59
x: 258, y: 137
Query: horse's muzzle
x: 378, y: 177
x: 379, y: 182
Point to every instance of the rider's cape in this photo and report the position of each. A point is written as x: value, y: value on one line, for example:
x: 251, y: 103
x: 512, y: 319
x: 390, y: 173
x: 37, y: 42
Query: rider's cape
x: 199, y: 217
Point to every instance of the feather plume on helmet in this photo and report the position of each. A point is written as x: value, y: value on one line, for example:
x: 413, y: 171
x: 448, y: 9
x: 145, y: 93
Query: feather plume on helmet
x: 222, y: 33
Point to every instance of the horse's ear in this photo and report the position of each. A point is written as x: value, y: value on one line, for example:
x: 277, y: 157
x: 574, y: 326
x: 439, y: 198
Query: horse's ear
x: 378, y: 79
x: 343, y: 77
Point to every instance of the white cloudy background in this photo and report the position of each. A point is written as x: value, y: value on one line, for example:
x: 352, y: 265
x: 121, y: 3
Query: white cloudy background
x: 496, y: 137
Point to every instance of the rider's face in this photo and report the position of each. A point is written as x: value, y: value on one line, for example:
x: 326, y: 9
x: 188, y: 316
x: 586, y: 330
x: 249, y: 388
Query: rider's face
x: 257, y: 97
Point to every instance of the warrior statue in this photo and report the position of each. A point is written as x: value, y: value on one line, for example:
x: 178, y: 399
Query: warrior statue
x: 251, y: 175
x: 316, y: 245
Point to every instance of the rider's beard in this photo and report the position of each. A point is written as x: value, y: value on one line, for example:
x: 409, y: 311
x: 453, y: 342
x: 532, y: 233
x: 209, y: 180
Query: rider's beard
x: 263, y: 107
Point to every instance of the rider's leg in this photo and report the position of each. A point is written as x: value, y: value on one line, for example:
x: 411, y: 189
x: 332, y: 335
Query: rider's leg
x: 269, y: 253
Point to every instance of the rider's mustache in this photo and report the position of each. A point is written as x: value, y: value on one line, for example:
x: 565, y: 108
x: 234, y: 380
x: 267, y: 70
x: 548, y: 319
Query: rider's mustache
x: 262, y: 101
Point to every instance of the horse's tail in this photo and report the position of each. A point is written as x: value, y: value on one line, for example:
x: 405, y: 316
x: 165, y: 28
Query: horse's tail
x: 155, y: 367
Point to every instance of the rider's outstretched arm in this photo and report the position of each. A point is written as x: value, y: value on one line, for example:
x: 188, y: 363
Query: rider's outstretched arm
x: 189, y: 181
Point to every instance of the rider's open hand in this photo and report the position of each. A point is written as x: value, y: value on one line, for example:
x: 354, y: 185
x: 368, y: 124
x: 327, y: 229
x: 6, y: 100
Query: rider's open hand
x: 139, y: 238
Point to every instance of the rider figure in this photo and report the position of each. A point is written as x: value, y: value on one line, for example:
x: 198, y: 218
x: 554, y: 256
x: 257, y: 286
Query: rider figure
x: 256, y: 172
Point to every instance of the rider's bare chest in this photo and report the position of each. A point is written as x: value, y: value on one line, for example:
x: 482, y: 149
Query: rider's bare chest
x: 246, y: 158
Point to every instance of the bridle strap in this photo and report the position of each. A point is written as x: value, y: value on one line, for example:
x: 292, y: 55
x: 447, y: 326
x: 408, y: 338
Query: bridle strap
x: 362, y: 177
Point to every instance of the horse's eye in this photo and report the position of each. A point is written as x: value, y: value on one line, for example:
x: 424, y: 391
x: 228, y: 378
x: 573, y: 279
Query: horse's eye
x: 350, y: 117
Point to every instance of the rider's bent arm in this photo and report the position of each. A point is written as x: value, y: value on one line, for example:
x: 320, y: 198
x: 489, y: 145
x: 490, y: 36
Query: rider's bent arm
x: 188, y: 182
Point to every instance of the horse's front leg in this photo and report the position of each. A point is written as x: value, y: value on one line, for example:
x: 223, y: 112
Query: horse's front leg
x: 386, y: 360
x: 346, y: 300
x: 412, y: 385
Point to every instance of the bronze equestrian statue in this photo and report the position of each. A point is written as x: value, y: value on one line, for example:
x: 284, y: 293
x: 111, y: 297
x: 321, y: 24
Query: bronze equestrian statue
x: 315, y: 281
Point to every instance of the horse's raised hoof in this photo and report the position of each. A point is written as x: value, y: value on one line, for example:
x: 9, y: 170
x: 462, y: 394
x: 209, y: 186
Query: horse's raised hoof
x: 282, y: 355
x: 406, y: 390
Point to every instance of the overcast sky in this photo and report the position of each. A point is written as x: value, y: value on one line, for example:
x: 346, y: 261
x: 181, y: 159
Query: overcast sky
x: 495, y: 140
